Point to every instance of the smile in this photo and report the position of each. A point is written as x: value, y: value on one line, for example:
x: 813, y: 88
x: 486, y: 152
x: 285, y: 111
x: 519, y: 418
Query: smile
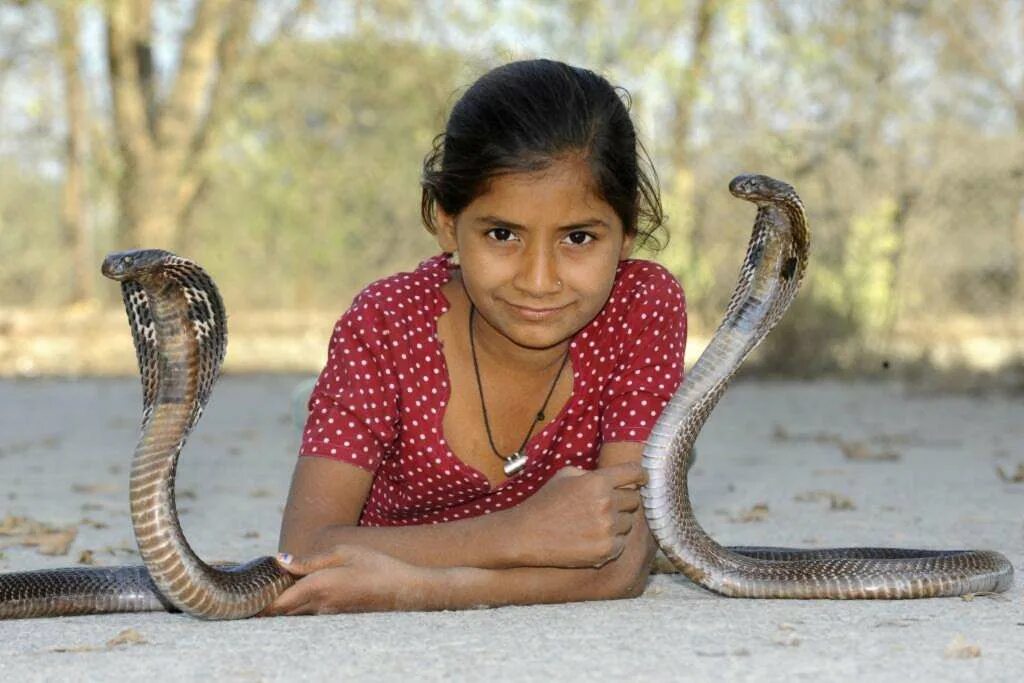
x: 537, y: 313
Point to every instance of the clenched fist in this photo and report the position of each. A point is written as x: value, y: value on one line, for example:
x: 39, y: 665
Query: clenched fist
x: 578, y: 518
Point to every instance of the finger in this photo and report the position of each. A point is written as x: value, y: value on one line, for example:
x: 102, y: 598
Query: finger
x: 304, y: 609
x: 301, y: 566
x: 626, y: 500
x: 624, y: 474
x: 292, y: 597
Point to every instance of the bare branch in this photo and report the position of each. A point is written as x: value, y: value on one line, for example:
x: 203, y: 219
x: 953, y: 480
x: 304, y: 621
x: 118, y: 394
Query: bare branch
x: 73, y: 205
x: 182, y: 114
x: 127, y: 92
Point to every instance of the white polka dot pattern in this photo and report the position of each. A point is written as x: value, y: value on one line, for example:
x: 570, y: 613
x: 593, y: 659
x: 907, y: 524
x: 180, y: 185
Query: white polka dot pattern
x: 380, y: 400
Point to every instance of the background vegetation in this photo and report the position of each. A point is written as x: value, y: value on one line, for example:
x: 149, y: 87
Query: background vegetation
x: 280, y: 144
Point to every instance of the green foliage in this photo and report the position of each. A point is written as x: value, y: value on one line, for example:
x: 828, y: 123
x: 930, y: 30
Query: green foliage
x: 862, y: 286
x: 314, y: 188
x: 31, y: 242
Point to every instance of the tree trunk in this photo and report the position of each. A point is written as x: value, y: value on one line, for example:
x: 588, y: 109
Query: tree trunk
x: 162, y: 140
x: 78, y: 236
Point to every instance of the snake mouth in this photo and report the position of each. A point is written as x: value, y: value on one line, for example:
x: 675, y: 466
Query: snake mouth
x: 127, y: 265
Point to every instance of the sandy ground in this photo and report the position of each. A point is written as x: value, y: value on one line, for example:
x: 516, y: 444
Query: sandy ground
x: 807, y: 464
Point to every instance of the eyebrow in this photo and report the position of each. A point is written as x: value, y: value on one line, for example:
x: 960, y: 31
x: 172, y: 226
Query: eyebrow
x: 586, y: 223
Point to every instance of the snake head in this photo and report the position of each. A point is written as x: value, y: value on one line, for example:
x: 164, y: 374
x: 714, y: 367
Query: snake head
x: 135, y: 264
x: 760, y: 188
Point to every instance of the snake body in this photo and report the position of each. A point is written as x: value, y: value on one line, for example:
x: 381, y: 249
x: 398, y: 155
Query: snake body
x: 770, y: 276
x: 179, y: 329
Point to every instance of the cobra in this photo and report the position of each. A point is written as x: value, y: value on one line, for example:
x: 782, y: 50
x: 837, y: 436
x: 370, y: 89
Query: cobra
x: 770, y: 276
x: 179, y: 329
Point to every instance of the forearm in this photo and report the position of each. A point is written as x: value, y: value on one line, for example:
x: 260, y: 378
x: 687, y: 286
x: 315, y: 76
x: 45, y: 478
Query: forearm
x: 486, y: 541
x: 470, y: 587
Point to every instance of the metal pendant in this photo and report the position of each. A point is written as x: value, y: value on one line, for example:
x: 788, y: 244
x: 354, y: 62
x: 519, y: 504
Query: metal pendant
x: 514, y: 464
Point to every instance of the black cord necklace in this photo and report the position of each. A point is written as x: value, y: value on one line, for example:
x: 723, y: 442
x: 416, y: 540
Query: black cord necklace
x: 517, y: 461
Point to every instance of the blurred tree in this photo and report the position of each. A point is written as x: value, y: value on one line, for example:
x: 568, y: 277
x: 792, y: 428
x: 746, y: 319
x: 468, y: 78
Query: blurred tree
x: 316, y: 176
x: 983, y: 48
x: 162, y: 137
x: 73, y: 210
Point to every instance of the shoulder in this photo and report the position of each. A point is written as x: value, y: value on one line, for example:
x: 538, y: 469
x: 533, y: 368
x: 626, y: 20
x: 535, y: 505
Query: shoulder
x: 399, y: 299
x: 645, y: 285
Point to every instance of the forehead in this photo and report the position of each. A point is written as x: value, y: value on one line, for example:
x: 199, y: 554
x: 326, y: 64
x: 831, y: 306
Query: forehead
x: 560, y: 193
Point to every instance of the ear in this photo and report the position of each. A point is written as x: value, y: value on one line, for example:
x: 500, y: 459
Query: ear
x: 627, y: 246
x: 446, y: 230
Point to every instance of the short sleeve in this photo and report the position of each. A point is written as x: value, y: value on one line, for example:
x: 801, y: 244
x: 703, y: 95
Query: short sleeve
x: 353, y: 409
x: 651, y: 366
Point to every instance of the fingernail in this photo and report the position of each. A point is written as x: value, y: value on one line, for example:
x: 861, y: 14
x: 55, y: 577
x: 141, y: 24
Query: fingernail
x: 284, y: 558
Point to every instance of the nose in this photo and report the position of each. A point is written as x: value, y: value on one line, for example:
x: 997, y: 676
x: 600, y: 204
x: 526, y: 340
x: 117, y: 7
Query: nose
x: 538, y: 272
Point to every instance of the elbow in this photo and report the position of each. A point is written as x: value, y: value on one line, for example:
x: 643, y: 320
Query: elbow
x: 629, y: 573
x: 629, y: 585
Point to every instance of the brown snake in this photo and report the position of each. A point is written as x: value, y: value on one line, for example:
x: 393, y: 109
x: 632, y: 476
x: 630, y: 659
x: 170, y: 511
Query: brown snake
x: 769, y: 279
x: 179, y: 329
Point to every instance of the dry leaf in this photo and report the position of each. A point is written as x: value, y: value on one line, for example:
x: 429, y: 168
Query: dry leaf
x: 259, y: 493
x: 251, y: 534
x: 129, y: 636
x: 122, y: 549
x: 836, y: 500
x: 49, y: 540
x: 858, y: 450
x: 1015, y: 478
x: 96, y: 488
x: 757, y: 513
x: 959, y: 648
x: 86, y: 557
x: 12, y: 525
x: 786, y: 639
x: 77, y: 648
x: 86, y: 521
x: 54, y: 543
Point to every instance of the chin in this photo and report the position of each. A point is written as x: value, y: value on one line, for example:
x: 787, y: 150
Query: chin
x: 538, y: 339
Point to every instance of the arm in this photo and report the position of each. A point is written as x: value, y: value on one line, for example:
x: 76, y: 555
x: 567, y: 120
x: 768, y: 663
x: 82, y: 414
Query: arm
x: 347, y: 578
x: 327, y: 497
x: 623, y: 577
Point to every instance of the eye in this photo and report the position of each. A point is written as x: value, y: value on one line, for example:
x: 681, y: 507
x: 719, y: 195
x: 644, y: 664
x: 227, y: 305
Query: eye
x: 127, y: 260
x: 579, y: 238
x: 500, y: 234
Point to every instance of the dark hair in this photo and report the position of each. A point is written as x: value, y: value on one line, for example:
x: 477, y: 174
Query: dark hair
x: 522, y: 116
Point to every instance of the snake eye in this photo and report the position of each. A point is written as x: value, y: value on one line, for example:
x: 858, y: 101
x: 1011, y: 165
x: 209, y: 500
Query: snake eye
x: 127, y: 261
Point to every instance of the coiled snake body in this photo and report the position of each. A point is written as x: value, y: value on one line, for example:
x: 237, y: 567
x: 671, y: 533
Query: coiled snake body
x: 178, y: 327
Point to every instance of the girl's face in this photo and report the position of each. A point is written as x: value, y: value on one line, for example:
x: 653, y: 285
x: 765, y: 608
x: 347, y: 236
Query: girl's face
x: 538, y: 252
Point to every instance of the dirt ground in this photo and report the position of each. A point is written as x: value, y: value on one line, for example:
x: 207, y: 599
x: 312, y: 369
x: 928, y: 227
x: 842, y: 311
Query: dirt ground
x: 784, y: 463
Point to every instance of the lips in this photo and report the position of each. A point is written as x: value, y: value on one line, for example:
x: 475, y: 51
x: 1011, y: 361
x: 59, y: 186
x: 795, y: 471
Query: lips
x: 535, y: 313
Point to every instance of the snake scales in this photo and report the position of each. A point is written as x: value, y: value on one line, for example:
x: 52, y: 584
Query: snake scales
x: 770, y: 277
x: 179, y: 329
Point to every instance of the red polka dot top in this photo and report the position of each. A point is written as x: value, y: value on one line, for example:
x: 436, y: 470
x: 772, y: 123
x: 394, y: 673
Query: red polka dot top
x: 380, y: 400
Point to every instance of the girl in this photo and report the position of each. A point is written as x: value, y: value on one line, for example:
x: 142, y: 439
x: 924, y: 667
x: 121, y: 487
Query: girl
x: 475, y: 437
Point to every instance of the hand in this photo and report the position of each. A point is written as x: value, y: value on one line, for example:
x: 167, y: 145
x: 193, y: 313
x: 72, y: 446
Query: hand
x: 349, y: 578
x: 579, y: 518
